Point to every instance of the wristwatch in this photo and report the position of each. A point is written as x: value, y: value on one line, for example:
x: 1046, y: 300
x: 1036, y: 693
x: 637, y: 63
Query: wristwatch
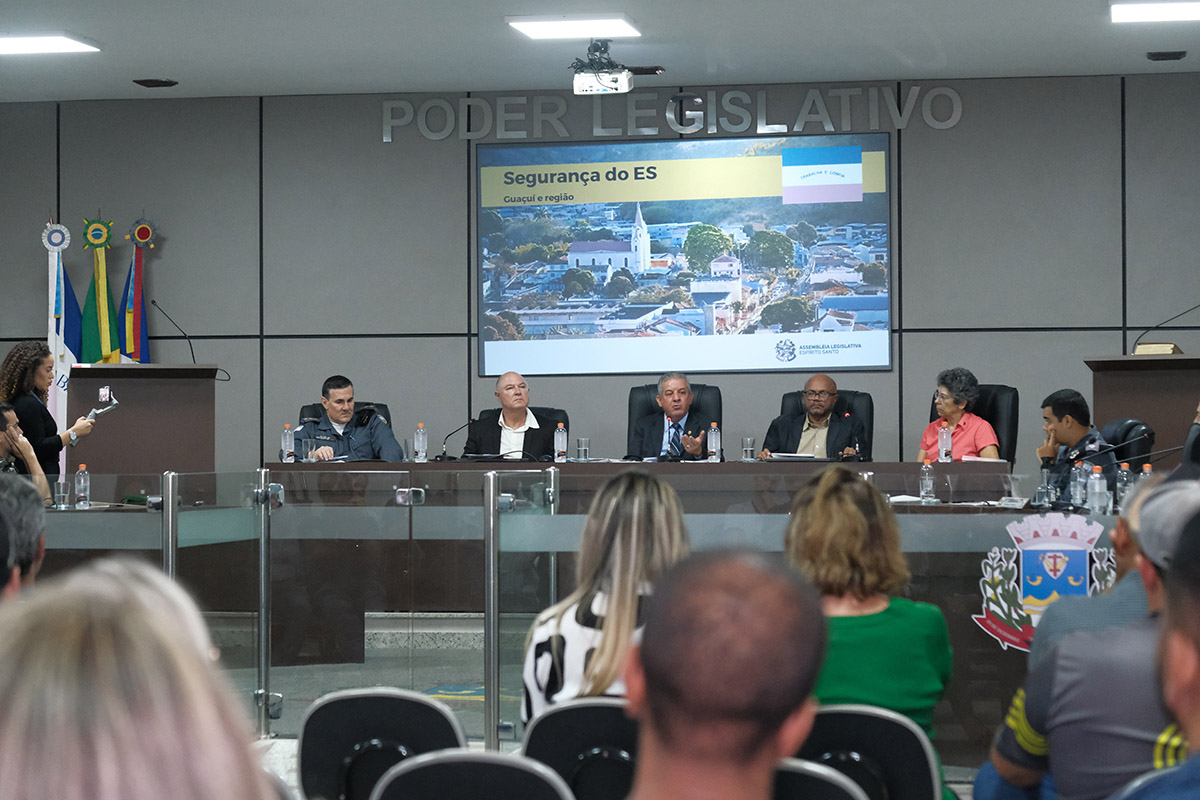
x: 74, y: 437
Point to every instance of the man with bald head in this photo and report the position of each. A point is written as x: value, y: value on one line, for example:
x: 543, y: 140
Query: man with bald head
x: 817, y: 432
x: 722, y: 681
x: 515, y: 433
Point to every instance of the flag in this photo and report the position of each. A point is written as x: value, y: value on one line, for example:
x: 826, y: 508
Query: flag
x: 100, y: 340
x: 135, y: 342
x: 64, y: 327
x: 822, y: 174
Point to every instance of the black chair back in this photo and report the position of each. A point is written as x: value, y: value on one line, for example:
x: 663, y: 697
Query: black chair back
x: 706, y: 401
x: 349, y: 739
x: 796, y: 779
x: 857, y: 404
x: 885, y: 753
x: 591, y: 743
x: 1132, y: 440
x: 1000, y: 405
x: 470, y: 775
x: 313, y: 411
x: 551, y: 415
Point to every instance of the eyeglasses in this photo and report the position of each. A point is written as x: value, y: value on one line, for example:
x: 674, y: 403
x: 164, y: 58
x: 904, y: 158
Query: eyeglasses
x: 945, y: 398
x: 809, y: 394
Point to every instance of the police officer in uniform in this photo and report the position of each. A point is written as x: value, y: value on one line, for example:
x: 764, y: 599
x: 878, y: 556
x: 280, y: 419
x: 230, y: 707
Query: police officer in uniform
x: 342, y: 433
x: 1071, y: 437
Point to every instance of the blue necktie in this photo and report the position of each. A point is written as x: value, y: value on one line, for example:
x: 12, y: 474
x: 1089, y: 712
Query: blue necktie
x: 676, y: 446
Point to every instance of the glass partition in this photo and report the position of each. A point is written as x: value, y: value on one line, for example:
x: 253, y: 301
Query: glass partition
x: 117, y: 522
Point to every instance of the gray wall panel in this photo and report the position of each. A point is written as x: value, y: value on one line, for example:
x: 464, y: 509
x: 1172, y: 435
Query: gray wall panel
x: 189, y: 166
x: 361, y: 236
x: 27, y: 200
x: 1013, y: 217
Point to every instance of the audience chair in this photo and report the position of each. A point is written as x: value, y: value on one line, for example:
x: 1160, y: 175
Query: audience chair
x: 312, y: 412
x: 1131, y: 439
x: 857, y: 404
x: 1000, y: 405
x: 706, y: 400
x: 349, y: 739
x: 796, y: 779
x: 885, y: 753
x: 470, y: 775
x: 591, y: 743
x: 544, y: 414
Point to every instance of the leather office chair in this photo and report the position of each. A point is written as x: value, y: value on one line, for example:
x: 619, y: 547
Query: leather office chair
x: 591, y: 743
x: 706, y: 400
x: 796, y: 779
x: 858, y: 404
x: 469, y: 775
x: 312, y: 412
x: 551, y: 415
x: 1132, y: 440
x: 885, y: 753
x: 1000, y: 406
x: 349, y: 739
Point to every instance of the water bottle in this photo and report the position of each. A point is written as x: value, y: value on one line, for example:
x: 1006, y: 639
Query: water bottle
x: 1079, y: 479
x: 1124, y: 484
x: 560, y: 443
x: 927, y: 496
x: 714, y: 442
x: 420, y: 444
x: 83, y: 487
x: 287, y: 444
x: 1097, y: 491
x: 945, y: 447
x: 1147, y: 473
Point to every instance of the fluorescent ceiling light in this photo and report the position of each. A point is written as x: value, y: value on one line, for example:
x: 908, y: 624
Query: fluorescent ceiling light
x: 55, y: 43
x: 1155, y: 12
x: 574, y: 26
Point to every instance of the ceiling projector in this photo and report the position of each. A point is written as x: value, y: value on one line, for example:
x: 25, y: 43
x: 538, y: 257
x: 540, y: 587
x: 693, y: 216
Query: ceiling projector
x: 607, y: 81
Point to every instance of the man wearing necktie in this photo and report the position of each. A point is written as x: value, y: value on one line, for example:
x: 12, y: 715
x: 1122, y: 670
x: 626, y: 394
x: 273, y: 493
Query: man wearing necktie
x: 676, y: 433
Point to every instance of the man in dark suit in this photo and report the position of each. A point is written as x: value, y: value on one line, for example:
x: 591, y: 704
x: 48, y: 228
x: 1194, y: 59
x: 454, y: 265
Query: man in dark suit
x: 817, y: 432
x: 515, y: 433
x: 677, y: 433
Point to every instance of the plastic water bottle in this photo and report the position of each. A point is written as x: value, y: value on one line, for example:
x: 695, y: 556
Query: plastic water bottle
x: 945, y: 446
x: 560, y: 443
x: 1079, y: 479
x: 287, y: 444
x: 714, y: 442
x: 928, y: 498
x: 1147, y: 473
x: 83, y: 487
x: 1097, y: 491
x: 420, y: 444
x: 1124, y: 484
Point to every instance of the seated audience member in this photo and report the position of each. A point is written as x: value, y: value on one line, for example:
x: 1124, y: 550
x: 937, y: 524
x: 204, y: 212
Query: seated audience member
x: 1089, y: 711
x: 1179, y: 665
x: 817, y: 432
x: 517, y: 433
x: 970, y: 435
x: 16, y: 453
x: 883, y: 650
x: 1071, y: 437
x: 676, y: 433
x: 25, y: 515
x: 721, y: 683
x: 110, y: 695
x: 634, y: 531
x: 25, y: 379
x: 10, y: 574
x: 341, y: 433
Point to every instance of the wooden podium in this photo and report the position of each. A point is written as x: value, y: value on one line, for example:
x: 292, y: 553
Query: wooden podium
x: 165, y: 421
x: 1162, y: 391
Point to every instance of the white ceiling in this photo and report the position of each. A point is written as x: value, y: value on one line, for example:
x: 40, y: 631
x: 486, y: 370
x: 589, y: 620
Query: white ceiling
x: 280, y: 47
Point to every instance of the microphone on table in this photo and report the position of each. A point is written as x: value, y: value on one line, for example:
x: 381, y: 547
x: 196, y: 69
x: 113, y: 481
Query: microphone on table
x: 1164, y: 322
x: 187, y: 338
x: 443, y: 456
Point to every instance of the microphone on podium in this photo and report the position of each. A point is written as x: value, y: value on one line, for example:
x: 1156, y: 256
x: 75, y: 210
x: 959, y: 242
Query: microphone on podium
x: 187, y: 338
x: 443, y: 456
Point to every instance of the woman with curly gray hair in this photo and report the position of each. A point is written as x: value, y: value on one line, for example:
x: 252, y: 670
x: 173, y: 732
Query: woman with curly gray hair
x: 970, y: 435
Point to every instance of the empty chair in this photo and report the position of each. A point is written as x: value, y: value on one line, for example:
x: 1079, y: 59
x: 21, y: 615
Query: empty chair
x: 885, y: 753
x: 857, y: 404
x: 1000, y: 406
x: 797, y: 779
x: 1131, y: 440
x: 349, y: 739
x: 591, y: 743
x: 467, y: 775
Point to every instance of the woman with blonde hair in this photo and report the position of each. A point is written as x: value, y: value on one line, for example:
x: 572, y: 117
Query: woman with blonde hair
x: 110, y: 694
x: 884, y: 650
x: 576, y: 648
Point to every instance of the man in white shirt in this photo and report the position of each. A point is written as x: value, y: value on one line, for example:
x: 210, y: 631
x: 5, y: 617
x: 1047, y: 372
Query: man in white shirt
x: 515, y: 433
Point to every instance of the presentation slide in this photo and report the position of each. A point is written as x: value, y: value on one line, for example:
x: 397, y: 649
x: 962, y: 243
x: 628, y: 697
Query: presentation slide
x: 719, y: 255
